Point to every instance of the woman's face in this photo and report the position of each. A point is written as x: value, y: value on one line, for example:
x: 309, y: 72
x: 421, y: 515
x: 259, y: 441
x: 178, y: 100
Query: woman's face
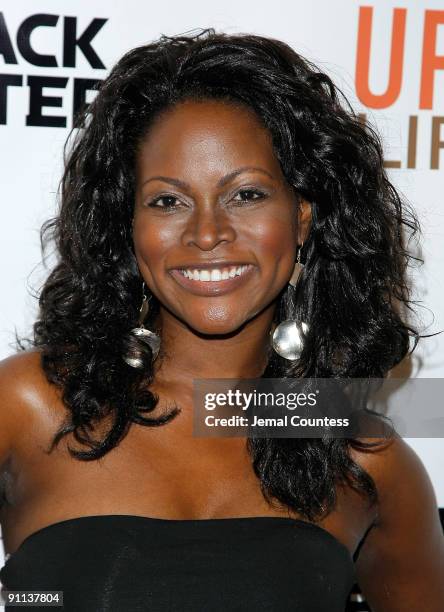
x: 210, y: 195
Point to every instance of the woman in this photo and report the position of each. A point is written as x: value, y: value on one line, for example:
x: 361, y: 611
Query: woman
x: 204, y: 157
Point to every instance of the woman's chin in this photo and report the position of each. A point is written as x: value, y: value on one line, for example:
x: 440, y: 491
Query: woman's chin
x: 222, y: 328
x: 210, y: 325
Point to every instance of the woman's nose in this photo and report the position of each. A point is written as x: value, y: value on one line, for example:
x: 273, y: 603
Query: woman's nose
x: 208, y: 226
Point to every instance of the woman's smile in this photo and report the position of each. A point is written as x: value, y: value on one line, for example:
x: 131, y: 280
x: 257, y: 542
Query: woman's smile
x: 213, y: 281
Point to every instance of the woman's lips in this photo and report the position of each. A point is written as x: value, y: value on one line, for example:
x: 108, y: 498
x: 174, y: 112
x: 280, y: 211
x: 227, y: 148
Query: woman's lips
x: 220, y: 287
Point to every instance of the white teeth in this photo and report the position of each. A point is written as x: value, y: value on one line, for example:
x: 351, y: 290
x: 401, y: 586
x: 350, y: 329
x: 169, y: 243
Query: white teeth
x: 216, y: 274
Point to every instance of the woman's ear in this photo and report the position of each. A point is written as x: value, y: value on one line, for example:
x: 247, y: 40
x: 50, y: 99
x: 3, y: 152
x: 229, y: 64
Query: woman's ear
x: 304, y: 220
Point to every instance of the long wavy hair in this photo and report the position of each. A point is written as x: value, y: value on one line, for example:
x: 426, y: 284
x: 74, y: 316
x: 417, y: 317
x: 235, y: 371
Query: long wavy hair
x: 352, y: 290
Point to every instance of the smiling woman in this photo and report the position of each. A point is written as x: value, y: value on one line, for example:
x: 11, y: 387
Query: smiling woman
x: 236, y: 214
x: 218, y: 188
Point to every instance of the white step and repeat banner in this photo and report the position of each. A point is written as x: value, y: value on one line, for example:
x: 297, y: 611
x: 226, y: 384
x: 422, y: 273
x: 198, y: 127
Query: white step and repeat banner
x: 387, y: 56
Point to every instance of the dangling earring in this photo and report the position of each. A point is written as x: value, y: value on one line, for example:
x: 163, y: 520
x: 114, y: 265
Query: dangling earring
x: 288, y: 337
x: 298, y: 267
x: 147, y: 336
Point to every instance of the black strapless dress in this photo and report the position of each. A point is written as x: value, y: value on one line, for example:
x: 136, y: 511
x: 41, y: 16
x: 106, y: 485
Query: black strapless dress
x: 126, y: 563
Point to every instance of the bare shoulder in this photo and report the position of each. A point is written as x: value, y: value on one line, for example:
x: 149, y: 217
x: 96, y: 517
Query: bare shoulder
x: 22, y: 361
x: 404, y: 489
x: 401, y: 559
x: 23, y: 389
x: 395, y: 468
x: 19, y: 374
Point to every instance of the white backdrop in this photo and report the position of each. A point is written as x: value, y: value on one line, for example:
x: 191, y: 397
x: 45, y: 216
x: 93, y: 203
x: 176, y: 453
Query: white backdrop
x: 325, y: 31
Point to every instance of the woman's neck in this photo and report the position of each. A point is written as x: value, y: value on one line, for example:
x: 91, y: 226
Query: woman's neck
x: 189, y: 355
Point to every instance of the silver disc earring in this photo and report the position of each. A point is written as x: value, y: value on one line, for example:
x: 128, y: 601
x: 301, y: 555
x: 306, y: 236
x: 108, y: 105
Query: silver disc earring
x: 146, y: 335
x: 288, y: 337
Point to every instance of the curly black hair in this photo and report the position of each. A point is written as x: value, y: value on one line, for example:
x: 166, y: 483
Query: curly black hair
x: 352, y: 290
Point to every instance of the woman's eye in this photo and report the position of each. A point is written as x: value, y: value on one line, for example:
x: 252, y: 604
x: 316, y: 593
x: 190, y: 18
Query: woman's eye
x: 248, y: 195
x: 169, y: 201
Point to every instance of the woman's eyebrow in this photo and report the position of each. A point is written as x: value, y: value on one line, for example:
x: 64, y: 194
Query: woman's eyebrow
x: 223, y: 181
x: 228, y: 177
